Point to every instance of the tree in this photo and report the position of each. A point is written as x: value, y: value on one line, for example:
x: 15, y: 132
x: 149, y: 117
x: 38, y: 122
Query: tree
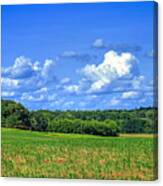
x: 98, y: 122
x: 14, y: 115
x: 38, y: 121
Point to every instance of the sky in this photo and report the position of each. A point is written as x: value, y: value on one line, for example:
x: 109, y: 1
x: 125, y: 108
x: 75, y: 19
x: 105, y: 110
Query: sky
x: 79, y: 56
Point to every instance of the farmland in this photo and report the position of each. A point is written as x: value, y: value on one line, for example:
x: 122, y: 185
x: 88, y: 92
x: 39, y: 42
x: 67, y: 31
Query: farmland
x: 76, y: 156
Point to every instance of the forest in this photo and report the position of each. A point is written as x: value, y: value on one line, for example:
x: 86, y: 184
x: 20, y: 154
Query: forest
x: 96, y: 122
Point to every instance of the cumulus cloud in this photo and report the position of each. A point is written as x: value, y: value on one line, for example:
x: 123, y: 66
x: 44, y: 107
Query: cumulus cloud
x: 113, y: 67
x: 115, y: 74
x: 48, y: 67
x: 116, y: 79
x: 22, y: 68
x: 99, y: 43
x: 8, y: 83
x: 130, y: 95
x: 26, y: 76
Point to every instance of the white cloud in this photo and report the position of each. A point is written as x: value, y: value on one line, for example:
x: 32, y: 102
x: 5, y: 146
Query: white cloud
x: 129, y: 95
x: 36, y: 66
x: 72, y: 88
x: 137, y: 82
x: 65, y: 80
x: 112, y: 68
x: 52, y: 97
x: 28, y: 97
x: 8, y: 83
x: 22, y: 68
x: 39, y: 95
x: 58, y: 102
x: 69, y: 53
x: 99, y: 43
x: 42, y: 90
x: 68, y: 104
x: 25, y: 76
x: 29, y: 81
x: 7, y: 94
x: 48, y: 69
x: 114, y: 101
x: 38, y: 83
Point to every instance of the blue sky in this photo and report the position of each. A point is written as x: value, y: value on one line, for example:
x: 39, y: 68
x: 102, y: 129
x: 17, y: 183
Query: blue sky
x: 78, y: 56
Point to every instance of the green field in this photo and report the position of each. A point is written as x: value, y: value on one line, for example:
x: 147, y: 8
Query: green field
x: 53, y: 155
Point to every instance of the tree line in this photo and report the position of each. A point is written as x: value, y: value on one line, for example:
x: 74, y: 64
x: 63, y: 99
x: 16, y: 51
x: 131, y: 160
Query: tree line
x: 97, y: 122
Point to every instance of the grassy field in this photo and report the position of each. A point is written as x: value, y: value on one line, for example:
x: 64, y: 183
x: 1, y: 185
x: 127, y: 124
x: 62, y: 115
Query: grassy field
x: 36, y: 154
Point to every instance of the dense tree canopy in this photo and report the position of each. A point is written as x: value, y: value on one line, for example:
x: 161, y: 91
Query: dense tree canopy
x: 98, y: 122
x: 14, y: 115
x: 38, y: 122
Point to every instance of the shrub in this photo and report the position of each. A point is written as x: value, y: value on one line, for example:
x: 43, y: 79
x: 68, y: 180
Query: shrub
x: 83, y: 127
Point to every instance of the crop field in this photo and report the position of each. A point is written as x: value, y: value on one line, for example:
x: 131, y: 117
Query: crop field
x: 54, y: 155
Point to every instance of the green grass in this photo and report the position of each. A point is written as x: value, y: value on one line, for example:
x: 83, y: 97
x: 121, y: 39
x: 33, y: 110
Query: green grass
x: 53, y: 155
